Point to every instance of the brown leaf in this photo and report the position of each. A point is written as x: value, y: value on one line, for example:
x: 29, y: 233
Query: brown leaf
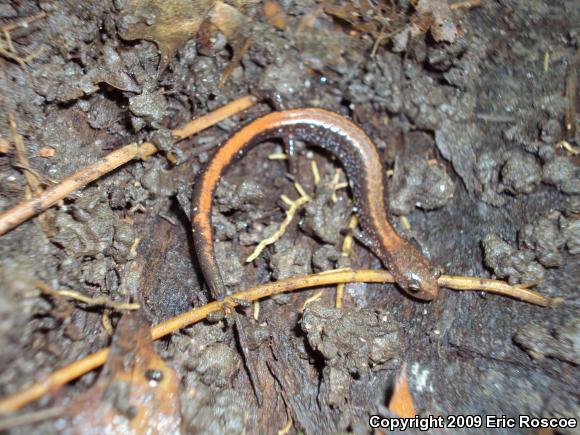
x: 275, y: 14
x: 430, y: 15
x: 169, y: 23
x: 136, y: 391
x: 401, y: 403
x: 227, y: 19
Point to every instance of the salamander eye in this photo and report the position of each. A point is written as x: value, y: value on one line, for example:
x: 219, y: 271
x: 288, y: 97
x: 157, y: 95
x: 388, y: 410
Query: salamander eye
x: 414, y: 285
x: 414, y: 288
x: 436, y: 272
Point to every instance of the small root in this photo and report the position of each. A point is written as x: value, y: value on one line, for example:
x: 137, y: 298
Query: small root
x: 294, y: 206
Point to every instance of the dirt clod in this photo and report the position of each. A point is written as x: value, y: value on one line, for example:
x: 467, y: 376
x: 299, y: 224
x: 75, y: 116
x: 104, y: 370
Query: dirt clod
x: 508, y: 262
x: 542, y: 341
x: 355, y: 341
x: 563, y: 174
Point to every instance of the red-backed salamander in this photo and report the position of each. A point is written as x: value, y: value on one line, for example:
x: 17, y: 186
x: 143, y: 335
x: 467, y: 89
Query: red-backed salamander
x: 359, y: 158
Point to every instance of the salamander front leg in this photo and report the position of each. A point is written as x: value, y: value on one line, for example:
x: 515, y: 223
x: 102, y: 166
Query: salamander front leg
x: 290, y: 150
x: 362, y: 238
x: 276, y: 100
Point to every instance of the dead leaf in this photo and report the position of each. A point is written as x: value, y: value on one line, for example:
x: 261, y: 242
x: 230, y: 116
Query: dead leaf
x: 386, y: 20
x: 275, y: 14
x: 401, y: 403
x: 227, y: 19
x: 231, y: 22
x: 4, y: 145
x: 47, y: 152
x: 430, y: 15
x: 136, y: 392
x: 364, y: 17
x: 169, y: 24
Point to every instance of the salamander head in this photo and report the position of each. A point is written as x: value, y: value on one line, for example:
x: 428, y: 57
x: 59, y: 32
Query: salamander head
x: 414, y: 274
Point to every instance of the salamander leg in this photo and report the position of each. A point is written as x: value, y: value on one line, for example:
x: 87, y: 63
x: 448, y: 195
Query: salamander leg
x: 361, y: 237
x: 279, y: 103
x: 290, y: 150
x: 420, y: 246
x: 276, y: 100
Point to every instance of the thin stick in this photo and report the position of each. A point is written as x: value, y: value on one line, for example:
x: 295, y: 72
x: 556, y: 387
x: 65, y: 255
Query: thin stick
x: 571, y: 92
x: 468, y: 4
x: 294, y: 207
x: 568, y: 147
x: 68, y: 373
x: 23, y: 22
x: 7, y: 47
x: 27, y: 209
x: 98, y: 301
x: 23, y: 162
x: 65, y: 309
x: 345, y: 252
x: 55, y: 380
x: 497, y: 287
x: 31, y: 418
x: 237, y: 58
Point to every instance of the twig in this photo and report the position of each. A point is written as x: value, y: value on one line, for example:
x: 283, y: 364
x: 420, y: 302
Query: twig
x: 256, y: 310
x: 405, y: 222
x: 23, y: 163
x: 22, y: 22
x: 568, y: 147
x: 497, y: 287
x: 98, y: 301
x: 337, y: 185
x: 278, y: 156
x: 25, y: 210
x: 311, y: 299
x: 65, y: 309
x: 546, y: 62
x: 30, y: 418
x: 467, y: 4
x: 315, y: 172
x: 237, y: 58
x: 31, y: 176
x: 7, y: 48
x: 106, y: 322
x: 571, y: 91
x: 286, y: 429
x: 294, y: 206
x: 76, y: 369
x: 345, y: 252
x: 8, y: 42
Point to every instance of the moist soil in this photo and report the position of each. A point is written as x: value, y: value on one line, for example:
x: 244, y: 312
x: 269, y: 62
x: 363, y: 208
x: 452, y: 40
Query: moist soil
x: 468, y: 132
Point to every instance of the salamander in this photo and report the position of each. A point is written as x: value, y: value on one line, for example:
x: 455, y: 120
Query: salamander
x: 413, y: 273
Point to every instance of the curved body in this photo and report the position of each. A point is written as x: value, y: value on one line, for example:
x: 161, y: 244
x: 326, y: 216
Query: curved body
x: 359, y: 158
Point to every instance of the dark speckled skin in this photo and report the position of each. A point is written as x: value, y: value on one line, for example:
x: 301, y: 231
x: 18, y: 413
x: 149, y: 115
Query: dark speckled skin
x: 361, y: 161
